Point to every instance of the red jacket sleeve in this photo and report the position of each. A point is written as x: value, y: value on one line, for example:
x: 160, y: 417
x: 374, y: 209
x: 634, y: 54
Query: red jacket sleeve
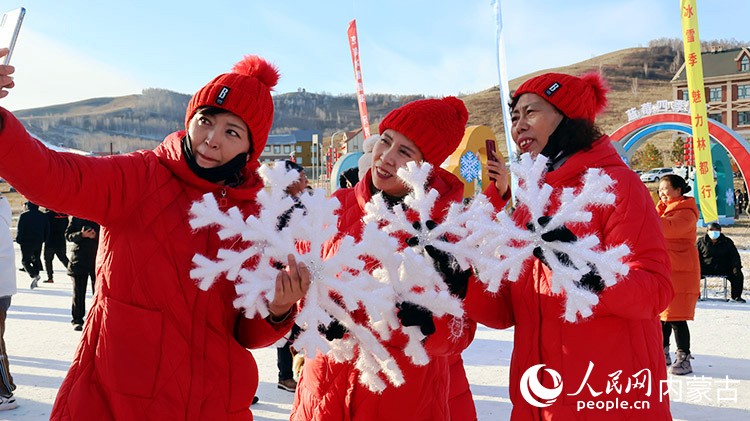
x: 497, y: 201
x: 96, y: 188
x: 647, y: 288
x: 452, y: 335
x: 259, y: 333
x: 491, y: 310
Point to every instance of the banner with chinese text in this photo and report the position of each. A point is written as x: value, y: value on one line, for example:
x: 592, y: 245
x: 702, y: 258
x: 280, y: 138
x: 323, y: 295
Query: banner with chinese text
x: 704, y: 171
x: 354, y: 47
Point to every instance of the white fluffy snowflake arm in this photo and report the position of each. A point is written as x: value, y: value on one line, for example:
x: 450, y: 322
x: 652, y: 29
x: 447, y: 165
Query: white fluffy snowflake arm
x: 340, y: 285
x: 417, y: 280
x: 499, y: 248
x: 570, y: 259
x: 259, y: 236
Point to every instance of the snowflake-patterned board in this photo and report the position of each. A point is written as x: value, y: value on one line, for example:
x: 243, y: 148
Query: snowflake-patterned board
x: 729, y: 197
x: 512, y: 247
x: 470, y: 167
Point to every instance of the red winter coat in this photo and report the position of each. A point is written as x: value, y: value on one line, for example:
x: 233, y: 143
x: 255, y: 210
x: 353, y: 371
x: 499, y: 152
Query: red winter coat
x: 624, y: 332
x: 155, y: 346
x: 679, y: 218
x: 330, y: 391
x: 460, y: 399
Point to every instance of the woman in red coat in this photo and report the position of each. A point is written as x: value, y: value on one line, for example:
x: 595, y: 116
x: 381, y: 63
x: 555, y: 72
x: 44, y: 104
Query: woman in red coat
x: 155, y: 346
x: 679, y: 217
x: 581, y: 371
x: 428, y: 131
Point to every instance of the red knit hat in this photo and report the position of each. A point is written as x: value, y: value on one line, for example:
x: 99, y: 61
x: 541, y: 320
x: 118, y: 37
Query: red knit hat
x: 246, y: 92
x: 436, y: 126
x: 577, y: 97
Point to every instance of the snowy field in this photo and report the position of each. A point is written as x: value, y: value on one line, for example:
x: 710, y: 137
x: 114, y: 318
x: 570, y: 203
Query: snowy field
x: 41, y: 343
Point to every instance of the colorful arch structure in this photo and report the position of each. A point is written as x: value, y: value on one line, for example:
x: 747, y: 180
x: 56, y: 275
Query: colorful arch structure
x: 630, y: 136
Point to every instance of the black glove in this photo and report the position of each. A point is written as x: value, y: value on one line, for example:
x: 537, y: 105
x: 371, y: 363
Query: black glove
x: 456, y: 279
x: 561, y: 233
x: 411, y: 314
x: 334, y: 330
x: 592, y: 281
x: 413, y: 241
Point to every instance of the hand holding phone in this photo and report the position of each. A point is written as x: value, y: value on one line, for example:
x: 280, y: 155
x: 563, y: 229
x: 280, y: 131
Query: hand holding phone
x: 496, y: 169
x: 491, y: 150
x: 10, y: 25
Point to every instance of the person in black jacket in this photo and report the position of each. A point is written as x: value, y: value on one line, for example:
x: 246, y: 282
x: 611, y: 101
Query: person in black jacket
x: 55, y: 244
x: 32, y: 231
x: 719, y: 256
x: 85, y: 235
x: 285, y: 354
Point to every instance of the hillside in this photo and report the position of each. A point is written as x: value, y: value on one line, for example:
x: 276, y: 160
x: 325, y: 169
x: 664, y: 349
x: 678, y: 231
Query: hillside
x: 127, y: 123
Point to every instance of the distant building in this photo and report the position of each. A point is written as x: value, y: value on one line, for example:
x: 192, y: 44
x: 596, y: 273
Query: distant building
x: 351, y: 141
x: 298, y: 142
x: 726, y: 76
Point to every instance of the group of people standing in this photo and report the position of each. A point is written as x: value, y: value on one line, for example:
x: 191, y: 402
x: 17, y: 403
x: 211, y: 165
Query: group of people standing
x: 155, y: 346
x: 51, y: 229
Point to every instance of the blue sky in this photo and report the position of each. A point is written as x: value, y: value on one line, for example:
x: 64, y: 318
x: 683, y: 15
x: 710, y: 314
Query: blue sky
x: 72, y: 50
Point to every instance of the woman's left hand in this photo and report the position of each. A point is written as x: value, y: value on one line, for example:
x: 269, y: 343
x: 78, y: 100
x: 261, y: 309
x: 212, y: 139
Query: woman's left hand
x: 291, y: 285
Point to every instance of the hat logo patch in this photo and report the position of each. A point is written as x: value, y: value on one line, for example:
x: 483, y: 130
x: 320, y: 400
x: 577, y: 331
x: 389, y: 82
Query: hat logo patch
x: 222, y: 95
x: 552, y: 89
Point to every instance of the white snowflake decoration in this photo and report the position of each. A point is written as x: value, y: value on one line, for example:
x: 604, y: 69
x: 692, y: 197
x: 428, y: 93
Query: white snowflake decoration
x: 341, y: 273
x: 416, y: 280
x: 513, y: 246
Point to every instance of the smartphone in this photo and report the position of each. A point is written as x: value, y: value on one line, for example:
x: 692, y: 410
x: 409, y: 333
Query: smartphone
x: 10, y: 25
x: 491, y: 150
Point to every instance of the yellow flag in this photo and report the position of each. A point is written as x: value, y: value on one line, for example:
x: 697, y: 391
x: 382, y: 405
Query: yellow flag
x: 704, y: 170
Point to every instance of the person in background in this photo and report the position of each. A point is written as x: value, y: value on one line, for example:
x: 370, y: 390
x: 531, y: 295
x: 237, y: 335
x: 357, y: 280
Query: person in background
x: 349, y: 178
x: 7, y: 290
x: 155, y: 345
x: 31, y: 233
x: 284, y: 353
x: 55, y: 244
x: 553, y: 114
x: 422, y: 131
x: 82, y: 267
x: 719, y: 257
x: 679, y: 216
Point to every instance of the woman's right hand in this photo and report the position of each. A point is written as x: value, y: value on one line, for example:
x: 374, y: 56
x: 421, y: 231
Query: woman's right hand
x: 291, y: 285
x: 498, y: 173
x: 6, y: 80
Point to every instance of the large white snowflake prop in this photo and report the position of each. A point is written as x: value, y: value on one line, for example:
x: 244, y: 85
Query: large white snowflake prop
x: 513, y: 246
x: 340, y: 284
x: 416, y: 280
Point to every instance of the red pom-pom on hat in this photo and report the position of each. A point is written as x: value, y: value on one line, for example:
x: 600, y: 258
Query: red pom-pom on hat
x: 257, y: 67
x: 245, y: 92
x: 600, y: 88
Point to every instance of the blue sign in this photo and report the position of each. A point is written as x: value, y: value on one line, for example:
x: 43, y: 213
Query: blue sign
x: 470, y: 167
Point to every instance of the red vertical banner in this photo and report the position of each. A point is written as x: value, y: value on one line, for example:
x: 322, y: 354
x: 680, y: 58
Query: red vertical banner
x: 354, y: 47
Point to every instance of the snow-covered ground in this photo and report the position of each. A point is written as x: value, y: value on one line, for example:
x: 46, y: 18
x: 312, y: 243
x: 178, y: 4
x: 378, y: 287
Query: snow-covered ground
x: 41, y: 343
